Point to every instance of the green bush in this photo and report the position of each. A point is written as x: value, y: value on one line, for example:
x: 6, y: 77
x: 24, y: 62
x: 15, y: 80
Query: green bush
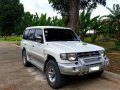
x: 117, y: 44
x: 11, y: 38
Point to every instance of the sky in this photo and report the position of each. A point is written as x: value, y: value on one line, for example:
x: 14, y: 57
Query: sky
x: 43, y: 6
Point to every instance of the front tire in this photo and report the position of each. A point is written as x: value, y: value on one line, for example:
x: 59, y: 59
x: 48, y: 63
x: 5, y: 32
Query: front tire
x: 54, y: 77
x: 24, y: 58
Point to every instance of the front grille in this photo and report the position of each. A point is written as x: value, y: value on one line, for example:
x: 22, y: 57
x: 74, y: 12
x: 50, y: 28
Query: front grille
x: 91, y: 60
x: 88, y: 54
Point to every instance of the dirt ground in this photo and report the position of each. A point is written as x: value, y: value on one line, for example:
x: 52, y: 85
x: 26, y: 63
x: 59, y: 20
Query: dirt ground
x: 14, y: 76
x: 114, y: 62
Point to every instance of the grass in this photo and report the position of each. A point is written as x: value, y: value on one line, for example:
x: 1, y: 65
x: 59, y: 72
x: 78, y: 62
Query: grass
x: 117, y: 58
x: 11, y: 38
x: 108, y: 45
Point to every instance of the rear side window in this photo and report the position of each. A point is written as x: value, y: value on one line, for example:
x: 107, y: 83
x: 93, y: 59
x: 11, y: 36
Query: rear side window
x: 31, y: 34
x: 25, y: 34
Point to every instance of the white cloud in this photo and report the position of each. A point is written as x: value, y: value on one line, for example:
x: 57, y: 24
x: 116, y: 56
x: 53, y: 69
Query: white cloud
x: 101, y: 10
x: 39, y: 6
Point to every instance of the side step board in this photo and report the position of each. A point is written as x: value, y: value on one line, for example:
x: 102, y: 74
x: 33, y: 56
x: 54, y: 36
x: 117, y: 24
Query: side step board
x: 37, y: 64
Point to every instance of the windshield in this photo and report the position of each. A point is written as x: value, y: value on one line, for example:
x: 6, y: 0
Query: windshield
x: 60, y: 35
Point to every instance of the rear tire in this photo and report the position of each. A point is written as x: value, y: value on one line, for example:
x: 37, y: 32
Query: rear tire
x: 54, y: 77
x: 24, y: 58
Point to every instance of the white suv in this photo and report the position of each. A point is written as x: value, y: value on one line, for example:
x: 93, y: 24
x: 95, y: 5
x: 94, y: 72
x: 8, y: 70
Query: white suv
x: 59, y: 52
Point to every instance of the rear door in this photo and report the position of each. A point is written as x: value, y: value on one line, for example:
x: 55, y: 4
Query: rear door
x: 25, y: 40
x: 31, y: 42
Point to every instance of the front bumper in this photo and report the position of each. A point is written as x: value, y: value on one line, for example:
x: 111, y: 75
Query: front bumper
x: 81, y: 67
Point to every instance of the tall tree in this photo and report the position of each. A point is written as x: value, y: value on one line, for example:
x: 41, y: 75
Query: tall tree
x: 29, y: 19
x: 87, y: 23
x: 26, y: 21
x: 70, y: 9
x: 115, y: 19
x: 11, y: 12
x: 73, y: 14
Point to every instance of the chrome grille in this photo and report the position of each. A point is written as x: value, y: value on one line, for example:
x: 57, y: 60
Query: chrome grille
x: 91, y: 60
x: 88, y: 54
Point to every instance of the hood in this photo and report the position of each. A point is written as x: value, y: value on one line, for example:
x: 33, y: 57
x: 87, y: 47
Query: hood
x: 74, y: 46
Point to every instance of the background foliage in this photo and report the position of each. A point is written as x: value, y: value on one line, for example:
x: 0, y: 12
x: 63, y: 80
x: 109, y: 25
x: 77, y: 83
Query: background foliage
x: 11, y: 12
x: 13, y: 19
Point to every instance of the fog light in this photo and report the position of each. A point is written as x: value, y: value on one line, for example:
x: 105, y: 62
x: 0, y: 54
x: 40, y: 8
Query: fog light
x: 75, y: 69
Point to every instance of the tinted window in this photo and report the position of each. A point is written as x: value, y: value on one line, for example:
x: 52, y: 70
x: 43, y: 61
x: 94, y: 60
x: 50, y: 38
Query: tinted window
x: 25, y: 34
x: 39, y: 33
x: 60, y: 35
x: 31, y: 34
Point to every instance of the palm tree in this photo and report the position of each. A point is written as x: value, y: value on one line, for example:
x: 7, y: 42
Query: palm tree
x: 115, y: 19
x: 87, y: 23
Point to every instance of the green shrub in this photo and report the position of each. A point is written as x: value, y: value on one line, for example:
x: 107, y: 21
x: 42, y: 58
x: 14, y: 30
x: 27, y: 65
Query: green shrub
x: 117, y: 44
x: 11, y: 38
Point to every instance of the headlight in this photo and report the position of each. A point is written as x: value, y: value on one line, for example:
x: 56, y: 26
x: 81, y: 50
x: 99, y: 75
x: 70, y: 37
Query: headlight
x: 63, y: 56
x: 72, y: 57
x: 68, y: 56
x: 102, y: 53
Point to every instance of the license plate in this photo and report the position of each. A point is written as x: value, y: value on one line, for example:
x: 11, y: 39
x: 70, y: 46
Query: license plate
x: 95, y: 68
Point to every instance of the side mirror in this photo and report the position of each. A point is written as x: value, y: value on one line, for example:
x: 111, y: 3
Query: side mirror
x: 39, y: 39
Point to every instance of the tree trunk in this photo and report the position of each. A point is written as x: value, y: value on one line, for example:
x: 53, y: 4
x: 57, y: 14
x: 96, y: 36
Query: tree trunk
x: 74, y: 14
x: 94, y: 36
x: 82, y: 36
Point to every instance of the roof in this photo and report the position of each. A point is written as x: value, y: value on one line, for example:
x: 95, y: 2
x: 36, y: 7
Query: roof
x: 44, y: 27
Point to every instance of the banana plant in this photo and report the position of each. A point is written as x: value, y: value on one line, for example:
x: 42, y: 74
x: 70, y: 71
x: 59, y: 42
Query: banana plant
x: 114, y: 18
x: 87, y: 23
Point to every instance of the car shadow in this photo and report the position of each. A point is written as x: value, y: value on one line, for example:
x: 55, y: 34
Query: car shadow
x: 75, y: 81
x: 70, y: 80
